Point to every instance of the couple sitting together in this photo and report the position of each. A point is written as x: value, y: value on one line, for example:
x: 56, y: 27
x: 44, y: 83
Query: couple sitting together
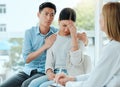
x: 66, y: 54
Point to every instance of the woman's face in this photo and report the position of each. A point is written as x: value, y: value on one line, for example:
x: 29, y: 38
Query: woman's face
x: 64, y: 30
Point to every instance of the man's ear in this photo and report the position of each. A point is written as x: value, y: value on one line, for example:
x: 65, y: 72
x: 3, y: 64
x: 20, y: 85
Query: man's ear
x: 59, y: 22
x: 38, y: 14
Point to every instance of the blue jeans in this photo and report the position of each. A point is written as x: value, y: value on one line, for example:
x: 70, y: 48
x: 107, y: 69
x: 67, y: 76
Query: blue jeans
x: 60, y: 70
x: 43, y: 80
x: 20, y: 80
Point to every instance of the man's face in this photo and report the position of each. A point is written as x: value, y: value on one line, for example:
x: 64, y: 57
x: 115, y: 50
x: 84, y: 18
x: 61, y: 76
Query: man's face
x: 46, y: 16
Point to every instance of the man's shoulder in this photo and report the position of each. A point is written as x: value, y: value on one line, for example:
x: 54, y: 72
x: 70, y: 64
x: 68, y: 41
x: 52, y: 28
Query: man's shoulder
x: 32, y: 29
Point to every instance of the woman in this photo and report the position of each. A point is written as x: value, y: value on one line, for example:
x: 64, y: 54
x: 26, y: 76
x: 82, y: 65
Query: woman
x: 107, y: 71
x: 66, y: 54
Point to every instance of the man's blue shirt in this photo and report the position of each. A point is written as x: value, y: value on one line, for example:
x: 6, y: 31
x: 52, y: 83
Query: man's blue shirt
x: 33, y: 41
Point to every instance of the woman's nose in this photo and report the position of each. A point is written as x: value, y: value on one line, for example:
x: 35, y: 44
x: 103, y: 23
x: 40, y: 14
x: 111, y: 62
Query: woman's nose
x: 66, y: 29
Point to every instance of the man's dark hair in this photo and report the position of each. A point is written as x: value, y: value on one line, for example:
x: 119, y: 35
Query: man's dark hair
x: 67, y: 14
x: 47, y: 4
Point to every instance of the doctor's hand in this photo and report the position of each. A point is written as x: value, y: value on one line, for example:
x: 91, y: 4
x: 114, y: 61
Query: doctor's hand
x: 63, y: 78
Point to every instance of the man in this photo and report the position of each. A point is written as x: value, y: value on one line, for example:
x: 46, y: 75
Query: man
x: 36, y: 42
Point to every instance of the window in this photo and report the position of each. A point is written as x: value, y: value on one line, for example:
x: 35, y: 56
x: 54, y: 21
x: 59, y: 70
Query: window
x: 2, y: 8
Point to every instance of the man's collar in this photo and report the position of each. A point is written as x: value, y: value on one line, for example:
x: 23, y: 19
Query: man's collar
x: 38, y: 32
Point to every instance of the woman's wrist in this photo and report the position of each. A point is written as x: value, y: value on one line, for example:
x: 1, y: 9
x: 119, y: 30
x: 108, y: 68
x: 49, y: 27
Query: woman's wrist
x: 74, y: 36
x: 71, y: 78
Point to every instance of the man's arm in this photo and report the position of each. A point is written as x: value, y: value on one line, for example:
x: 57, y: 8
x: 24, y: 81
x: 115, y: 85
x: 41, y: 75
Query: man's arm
x: 28, y: 54
x: 48, y: 43
x: 35, y: 54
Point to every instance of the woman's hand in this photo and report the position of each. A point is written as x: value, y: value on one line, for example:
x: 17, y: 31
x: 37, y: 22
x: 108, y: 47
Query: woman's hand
x: 50, y: 74
x: 74, y: 41
x: 72, y: 28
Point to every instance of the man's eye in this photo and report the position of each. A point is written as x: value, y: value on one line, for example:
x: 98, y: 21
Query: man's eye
x: 52, y: 14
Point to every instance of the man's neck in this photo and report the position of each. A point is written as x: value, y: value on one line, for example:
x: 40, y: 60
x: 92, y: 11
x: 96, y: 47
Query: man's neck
x: 44, y: 30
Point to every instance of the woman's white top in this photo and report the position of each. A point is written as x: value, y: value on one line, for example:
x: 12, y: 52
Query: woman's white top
x: 106, y: 73
x: 61, y: 56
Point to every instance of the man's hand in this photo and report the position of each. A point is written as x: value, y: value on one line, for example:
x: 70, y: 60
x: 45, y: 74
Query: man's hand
x: 83, y: 37
x: 50, y: 40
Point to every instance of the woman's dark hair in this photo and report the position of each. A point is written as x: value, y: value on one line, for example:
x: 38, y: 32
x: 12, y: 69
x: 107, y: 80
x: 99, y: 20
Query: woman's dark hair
x: 47, y: 4
x: 67, y: 14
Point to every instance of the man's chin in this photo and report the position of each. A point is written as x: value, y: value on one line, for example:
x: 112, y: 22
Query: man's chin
x: 47, y: 25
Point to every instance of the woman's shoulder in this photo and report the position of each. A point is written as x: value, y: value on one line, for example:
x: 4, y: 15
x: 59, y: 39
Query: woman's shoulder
x: 113, y: 47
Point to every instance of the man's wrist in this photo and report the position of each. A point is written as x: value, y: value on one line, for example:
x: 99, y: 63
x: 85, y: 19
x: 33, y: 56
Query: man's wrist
x: 45, y: 47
